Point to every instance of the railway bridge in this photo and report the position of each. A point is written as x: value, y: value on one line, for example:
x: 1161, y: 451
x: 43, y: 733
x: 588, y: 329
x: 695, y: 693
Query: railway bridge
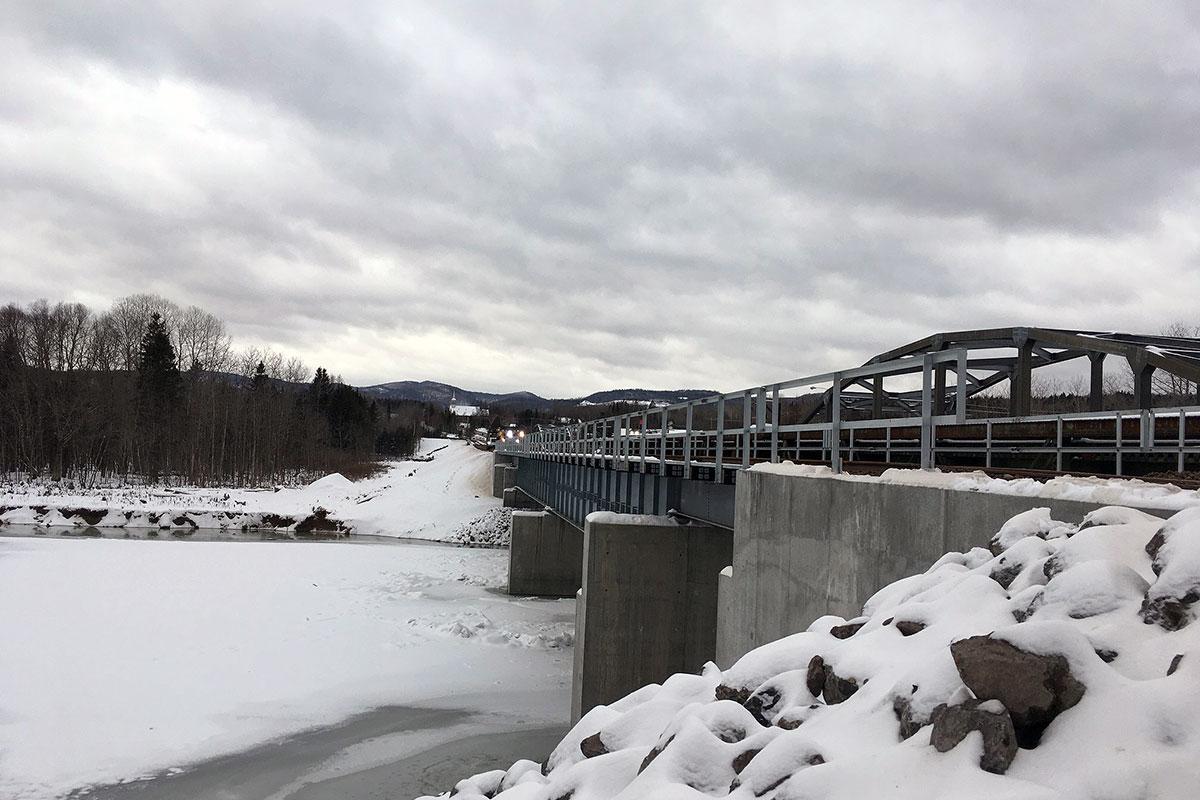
x: 701, y: 529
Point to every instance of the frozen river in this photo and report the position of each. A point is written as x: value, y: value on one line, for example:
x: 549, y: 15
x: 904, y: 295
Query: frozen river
x: 255, y: 669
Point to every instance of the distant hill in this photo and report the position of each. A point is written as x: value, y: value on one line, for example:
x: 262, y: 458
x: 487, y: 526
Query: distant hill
x: 441, y: 394
x: 642, y: 395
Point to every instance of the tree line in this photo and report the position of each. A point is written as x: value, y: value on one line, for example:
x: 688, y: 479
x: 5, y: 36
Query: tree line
x: 147, y: 390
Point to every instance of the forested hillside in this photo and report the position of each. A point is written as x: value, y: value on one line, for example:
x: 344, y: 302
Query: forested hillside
x: 143, y: 390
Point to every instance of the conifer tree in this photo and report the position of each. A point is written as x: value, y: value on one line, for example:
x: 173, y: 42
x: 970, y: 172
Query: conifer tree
x: 158, y: 375
x: 259, y: 381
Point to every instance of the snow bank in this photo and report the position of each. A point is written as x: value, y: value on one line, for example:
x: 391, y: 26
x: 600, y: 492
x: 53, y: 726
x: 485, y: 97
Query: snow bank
x: 1102, y: 491
x: 445, y: 494
x: 1047, y: 669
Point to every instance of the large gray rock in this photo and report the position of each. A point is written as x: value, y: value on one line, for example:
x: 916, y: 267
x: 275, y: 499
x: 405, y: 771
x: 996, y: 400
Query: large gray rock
x: 951, y: 724
x: 1034, y: 688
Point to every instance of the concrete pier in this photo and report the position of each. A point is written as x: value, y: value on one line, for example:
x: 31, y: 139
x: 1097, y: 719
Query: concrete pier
x: 515, y: 498
x: 806, y: 546
x: 504, y: 476
x: 648, y: 608
x: 545, y: 557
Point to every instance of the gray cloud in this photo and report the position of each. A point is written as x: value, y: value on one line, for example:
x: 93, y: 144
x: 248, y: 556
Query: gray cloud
x: 565, y: 198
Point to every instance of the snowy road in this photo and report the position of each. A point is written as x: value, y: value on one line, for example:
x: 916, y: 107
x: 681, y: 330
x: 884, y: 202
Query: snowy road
x: 123, y: 659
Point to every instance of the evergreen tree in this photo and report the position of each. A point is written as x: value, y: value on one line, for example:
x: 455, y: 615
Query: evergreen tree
x: 159, y: 381
x: 319, y: 389
x: 260, y: 380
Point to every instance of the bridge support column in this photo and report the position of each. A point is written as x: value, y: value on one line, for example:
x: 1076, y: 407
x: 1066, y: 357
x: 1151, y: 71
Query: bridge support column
x: 1020, y: 399
x: 545, y: 556
x: 648, y: 608
x: 1143, y: 384
x: 1096, y: 387
x: 515, y: 498
x: 504, y: 476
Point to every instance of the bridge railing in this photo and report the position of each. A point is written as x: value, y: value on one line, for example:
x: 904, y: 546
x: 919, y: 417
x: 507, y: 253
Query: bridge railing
x: 672, y: 437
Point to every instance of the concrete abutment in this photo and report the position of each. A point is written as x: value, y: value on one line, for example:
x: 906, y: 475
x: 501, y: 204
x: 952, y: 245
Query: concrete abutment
x: 807, y: 546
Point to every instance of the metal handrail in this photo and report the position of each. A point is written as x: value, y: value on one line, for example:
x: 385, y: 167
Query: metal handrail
x: 759, y: 437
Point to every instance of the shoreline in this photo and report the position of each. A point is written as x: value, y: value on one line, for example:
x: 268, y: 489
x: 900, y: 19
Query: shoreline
x: 22, y: 531
x: 395, y: 752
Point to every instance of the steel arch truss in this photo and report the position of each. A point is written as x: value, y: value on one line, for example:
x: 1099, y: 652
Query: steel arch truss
x: 1025, y: 350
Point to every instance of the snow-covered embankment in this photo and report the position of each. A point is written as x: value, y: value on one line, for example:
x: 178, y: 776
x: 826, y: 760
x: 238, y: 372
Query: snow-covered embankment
x: 1059, y: 664
x: 444, y: 494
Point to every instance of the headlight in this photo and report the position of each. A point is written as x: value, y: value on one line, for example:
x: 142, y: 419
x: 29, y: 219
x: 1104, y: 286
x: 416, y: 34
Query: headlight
x: 508, y: 434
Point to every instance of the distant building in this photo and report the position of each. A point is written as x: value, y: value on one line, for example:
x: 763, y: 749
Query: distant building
x: 458, y: 410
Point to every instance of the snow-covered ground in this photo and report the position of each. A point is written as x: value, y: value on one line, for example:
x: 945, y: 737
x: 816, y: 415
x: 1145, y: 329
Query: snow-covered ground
x: 441, y: 498
x: 122, y: 657
x: 1063, y: 663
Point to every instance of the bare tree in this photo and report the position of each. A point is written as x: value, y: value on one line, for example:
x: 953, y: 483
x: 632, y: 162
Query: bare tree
x: 72, y: 327
x: 200, y: 338
x: 1175, y: 389
x: 130, y: 316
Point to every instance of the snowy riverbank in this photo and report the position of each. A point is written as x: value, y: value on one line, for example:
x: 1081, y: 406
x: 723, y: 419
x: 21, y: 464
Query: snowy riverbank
x: 444, y: 495
x: 1062, y: 664
x: 120, y: 659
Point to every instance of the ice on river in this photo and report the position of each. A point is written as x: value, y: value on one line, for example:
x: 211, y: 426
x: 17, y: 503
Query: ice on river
x: 119, y: 658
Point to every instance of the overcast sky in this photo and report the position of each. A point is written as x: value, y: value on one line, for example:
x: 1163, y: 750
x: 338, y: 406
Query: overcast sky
x: 569, y: 197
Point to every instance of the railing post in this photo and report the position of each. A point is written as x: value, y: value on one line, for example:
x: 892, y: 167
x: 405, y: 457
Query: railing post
x: 1182, y: 437
x: 775, y: 425
x: 687, y: 442
x: 988, y: 444
x: 960, y: 411
x: 644, y: 445
x: 719, y: 461
x: 1058, y: 454
x: 760, y: 416
x: 662, y: 454
x: 618, y: 433
x: 1120, y: 443
x: 835, y: 424
x: 746, y: 409
x: 927, y: 412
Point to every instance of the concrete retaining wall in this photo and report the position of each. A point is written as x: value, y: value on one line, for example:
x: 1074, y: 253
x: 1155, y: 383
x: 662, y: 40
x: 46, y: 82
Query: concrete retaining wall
x: 648, y: 608
x: 809, y: 546
x: 545, y: 558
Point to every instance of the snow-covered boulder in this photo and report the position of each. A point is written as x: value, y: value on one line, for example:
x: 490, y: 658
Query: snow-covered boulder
x: 1175, y: 559
x: 1034, y: 522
